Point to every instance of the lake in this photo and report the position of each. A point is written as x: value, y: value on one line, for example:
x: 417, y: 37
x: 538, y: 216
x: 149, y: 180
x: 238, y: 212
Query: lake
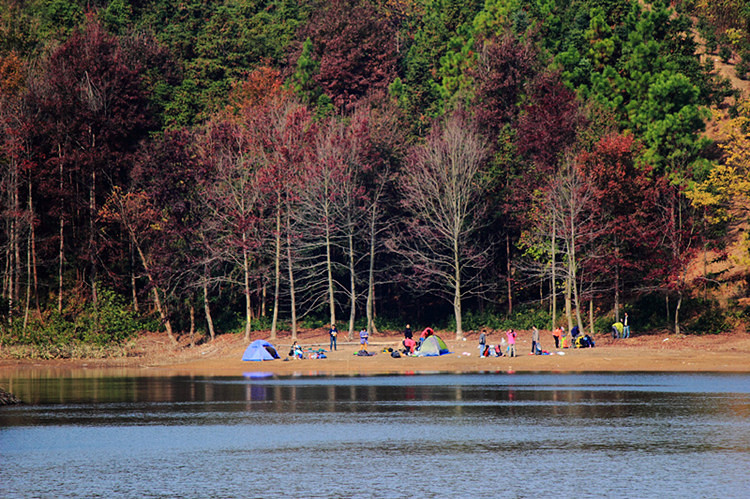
x: 429, y: 435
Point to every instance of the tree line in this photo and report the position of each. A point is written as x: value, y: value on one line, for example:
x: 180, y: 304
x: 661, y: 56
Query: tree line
x: 227, y: 165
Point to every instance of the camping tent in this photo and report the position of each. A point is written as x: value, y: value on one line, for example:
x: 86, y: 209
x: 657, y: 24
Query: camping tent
x: 260, y: 350
x: 432, y: 346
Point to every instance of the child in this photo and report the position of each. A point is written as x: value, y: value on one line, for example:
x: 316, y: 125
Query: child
x: 556, y: 334
x: 511, y: 342
x: 409, y: 345
x: 363, y: 336
x: 297, y: 351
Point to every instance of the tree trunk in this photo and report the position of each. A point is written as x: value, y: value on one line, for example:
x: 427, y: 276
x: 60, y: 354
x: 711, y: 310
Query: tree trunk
x: 6, y: 272
x: 276, y: 273
x: 591, y: 316
x: 133, y: 287
x: 371, y: 274
x: 28, y: 284
x: 162, y: 312
x: 577, y: 303
x: 246, y: 287
x: 457, y: 294
x: 192, y: 324
x: 61, y: 261
x: 553, y: 285
x: 291, y: 276
x: 677, y: 313
x: 263, y: 298
x: 568, y: 302
x: 352, y: 288
x: 573, y: 275
x: 509, y: 270
x: 157, y: 299
x: 32, y: 239
x: 329, y: 270
x: 617, y: 285
x: 61, y: 253
x: 15, y: 244
x: 207, y: 311
x: 92, y: 242
x: 705, y: 255
x: 576, y: 298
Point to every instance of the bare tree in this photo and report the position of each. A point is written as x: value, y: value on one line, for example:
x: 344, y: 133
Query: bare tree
x: 282, y: 134
x: 375, y: 229
x: 680, y: 243
x: 232, y: 201
x: 566, y: 228
x: 441, y: 185
x: 316, y: 213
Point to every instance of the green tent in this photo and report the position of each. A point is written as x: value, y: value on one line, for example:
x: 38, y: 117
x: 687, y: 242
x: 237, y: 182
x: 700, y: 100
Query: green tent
x: 432, y: 346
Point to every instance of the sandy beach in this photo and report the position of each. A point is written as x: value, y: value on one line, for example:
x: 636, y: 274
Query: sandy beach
x: 152, y: 355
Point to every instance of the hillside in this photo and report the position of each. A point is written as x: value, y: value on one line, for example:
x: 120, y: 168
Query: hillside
x: 728, y: 266
x: 223, y: 166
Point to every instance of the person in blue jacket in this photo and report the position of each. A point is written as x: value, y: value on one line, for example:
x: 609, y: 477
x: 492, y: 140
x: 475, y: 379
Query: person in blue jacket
x: 363, y: 337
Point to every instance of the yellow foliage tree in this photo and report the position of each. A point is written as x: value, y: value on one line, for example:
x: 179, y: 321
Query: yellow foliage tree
x: 725, y: 193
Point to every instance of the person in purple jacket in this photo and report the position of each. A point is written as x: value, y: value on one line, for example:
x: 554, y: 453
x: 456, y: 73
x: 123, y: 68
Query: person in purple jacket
x: 363, y: 337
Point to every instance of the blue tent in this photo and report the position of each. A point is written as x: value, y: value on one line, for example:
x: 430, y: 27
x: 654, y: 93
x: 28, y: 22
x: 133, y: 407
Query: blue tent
x: 260, y: 350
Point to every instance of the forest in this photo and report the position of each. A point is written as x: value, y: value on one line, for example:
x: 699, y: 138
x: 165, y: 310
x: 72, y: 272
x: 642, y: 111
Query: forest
x: 230, y: 166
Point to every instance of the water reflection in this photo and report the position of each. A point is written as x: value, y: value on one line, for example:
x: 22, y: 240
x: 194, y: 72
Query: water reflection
x: 365, y: 437
x: 512, y: 395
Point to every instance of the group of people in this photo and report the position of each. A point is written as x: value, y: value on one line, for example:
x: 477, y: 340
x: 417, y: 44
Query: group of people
x: 561, y: 341
x: 621, y: 329
x: 576, y: 339
x: 296, y: 352
x: 410, y: 344
x: 504, y: 348
x: 333, y: 334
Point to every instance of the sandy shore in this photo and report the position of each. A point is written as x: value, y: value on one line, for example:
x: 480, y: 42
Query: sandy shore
x: 154, y: 356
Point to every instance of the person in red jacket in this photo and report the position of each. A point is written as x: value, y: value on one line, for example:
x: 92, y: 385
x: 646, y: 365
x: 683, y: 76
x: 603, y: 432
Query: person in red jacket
x: 427, y: 332
x: 557, y: 333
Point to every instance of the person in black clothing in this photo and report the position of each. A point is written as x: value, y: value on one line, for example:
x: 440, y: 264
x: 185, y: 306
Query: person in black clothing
x: 333, y: 332
x: 407, y: 332
x: 482, y: 344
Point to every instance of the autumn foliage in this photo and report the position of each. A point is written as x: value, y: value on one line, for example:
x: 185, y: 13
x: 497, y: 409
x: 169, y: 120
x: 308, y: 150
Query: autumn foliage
x: 273, y: 165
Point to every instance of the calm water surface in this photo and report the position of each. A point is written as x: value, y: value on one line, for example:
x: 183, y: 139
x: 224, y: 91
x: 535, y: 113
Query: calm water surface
x: 484, y: 435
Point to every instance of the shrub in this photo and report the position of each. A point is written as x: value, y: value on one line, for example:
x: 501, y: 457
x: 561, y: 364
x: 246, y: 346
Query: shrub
x: 314, y: 321
x: 110, y: 322
x: 261, y: 323
x: 711, y: 45
x: 58, y: 335
x: 725, y: 53
x: 524, y: 317
x: 743, y: 66
x: 706, y: 317
x: 604, y: 324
